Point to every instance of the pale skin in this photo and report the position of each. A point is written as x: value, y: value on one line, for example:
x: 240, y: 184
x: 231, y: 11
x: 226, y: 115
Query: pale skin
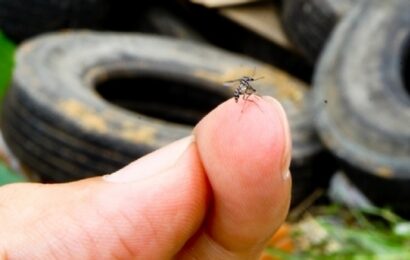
x: 218, y: 194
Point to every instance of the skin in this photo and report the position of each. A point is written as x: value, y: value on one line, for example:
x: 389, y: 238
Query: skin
x: 218, y: 194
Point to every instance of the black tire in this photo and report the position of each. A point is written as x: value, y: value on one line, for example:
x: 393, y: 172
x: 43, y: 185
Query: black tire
x: 309, y: 23
x: 164, y: 22
x: 363, y: 78
x: 23, y: 19
x: 57, y: 124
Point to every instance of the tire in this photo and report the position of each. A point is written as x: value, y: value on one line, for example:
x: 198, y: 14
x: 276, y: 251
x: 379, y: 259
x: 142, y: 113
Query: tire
x: 366, y: 119
x: 55, y: 121
x: 164, y: 22
x: 309, y: 23
x: 23, y: 19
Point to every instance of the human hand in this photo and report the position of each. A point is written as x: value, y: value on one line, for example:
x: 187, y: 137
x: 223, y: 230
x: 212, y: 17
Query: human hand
x: 218, y: 194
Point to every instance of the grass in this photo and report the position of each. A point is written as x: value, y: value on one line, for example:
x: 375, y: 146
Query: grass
x: 7, y: 49
x: 334, y: 232
x: 9, y: 176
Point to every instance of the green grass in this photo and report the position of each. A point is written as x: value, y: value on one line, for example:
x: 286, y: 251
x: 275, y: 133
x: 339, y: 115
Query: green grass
x: 8, y: 176
x: 350, y: 234
x: 7, y: 49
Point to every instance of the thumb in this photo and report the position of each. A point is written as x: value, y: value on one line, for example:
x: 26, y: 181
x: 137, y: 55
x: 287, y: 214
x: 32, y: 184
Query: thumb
x: 147, y: 210
x: 152, y: 207
x: 245, y: 152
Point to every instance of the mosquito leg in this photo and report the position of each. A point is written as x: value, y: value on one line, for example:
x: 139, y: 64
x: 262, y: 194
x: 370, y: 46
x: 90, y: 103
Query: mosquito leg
x: 246, y: 98
x: 244, y: 103
x: 257, y: 96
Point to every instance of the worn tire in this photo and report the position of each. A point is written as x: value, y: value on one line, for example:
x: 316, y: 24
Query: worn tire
x: 22, y: 19
x: 165, y: 22
x: 309, y: 23
x: 363, y: 77
x: 58, y: 125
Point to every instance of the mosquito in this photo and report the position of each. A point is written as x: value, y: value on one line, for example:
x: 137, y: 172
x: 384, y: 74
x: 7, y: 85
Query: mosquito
x: 244, y: 88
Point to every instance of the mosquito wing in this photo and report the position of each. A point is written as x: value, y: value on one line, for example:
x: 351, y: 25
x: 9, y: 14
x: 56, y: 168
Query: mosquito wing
x: 231, y: 83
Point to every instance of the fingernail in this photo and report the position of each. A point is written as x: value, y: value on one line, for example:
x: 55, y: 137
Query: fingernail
x: 287, y: 153
x: 151, y: 164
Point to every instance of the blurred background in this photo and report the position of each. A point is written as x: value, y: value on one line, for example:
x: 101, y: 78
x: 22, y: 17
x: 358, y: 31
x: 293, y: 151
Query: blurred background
x: 89, y: 86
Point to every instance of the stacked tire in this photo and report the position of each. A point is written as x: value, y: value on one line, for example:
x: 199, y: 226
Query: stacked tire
x: 23, y: 19
x: 55, y: 120
x: 309, y: 23
x: 363, y: 76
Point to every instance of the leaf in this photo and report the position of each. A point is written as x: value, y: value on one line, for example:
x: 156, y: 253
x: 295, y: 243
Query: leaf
x: 375, y: 234
x: 9, y: 176
x: 7, y: 49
